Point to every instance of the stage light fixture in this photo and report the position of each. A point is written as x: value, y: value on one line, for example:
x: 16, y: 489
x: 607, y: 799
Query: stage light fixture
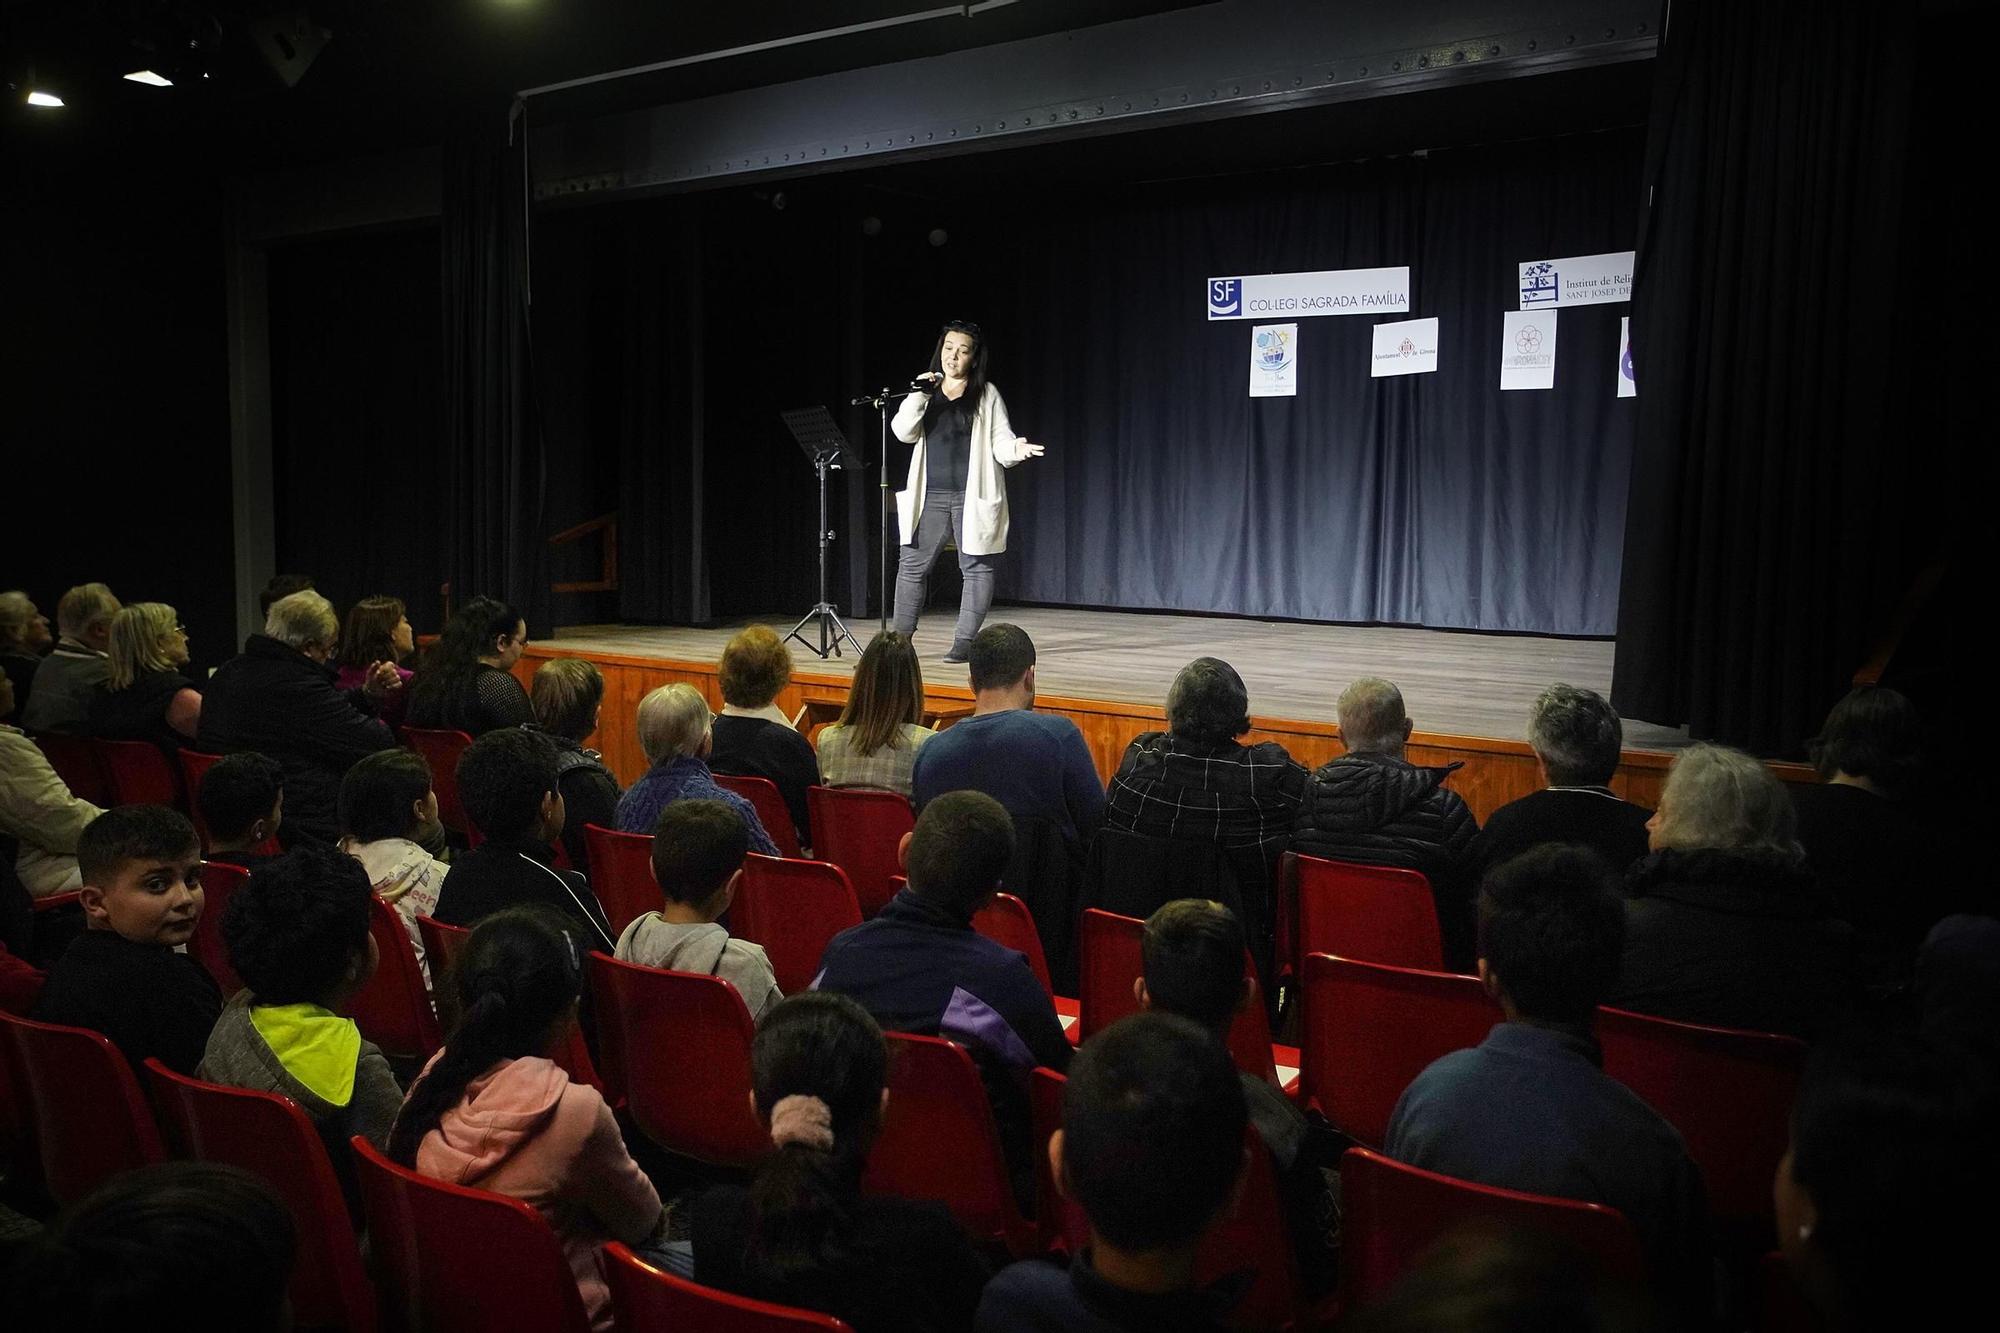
x: 39, y: 98
x: 146, y: 76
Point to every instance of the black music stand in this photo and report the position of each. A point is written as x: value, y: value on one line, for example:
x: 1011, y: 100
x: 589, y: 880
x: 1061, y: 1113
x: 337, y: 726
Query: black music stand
x: 826, y: 448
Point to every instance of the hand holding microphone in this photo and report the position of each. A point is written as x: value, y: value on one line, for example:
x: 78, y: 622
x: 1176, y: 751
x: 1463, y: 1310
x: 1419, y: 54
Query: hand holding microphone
x: 926, y: 382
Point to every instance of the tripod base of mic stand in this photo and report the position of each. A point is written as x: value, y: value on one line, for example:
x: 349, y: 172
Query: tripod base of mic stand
x: 832, y: 629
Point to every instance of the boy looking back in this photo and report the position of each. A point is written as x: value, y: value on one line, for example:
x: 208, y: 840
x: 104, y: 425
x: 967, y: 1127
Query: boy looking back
x: 141, y: 867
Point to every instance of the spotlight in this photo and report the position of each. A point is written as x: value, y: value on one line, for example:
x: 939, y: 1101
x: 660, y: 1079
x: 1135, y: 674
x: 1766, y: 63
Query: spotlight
x: 938, y: 237
x: 871, y: 226
x: 39, y: 98
x: 146, y: 76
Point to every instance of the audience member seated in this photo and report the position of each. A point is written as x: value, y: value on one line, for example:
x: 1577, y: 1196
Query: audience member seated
x: 297, y: 934
x: 507, y: 782
x: 388, y: 822
x: 1196, y: 783
x: 24, y: 641
x: 68, y: 677
x: 467, y: 680
x: 126, y: 975
x: 1958, y: 984
x: 801, y: 1233
x: 199, y: 1241
x: 377, y: 630
x: 242, y: 801
x: 1373, y: 806
x: 1151, y: 1148
x: 1531, y: 1108
x: 753, y: 737
x: 38, y: 810
x: 1577, y: 739
x: 675, y: 734
x: 920, y: 967
x: 278, y: 699
x: 1881, y: 1198
x: 1036, y: 765
x: 1480, y: 1281
x: 1724, y: 923
x: 494, y: 1112
x: 278, y: 587
x: 1889, y: 868
x: 568, y: 695
x: 1193, y: 967
x: 144, y: 696
x: 698, y: 851
x: 881, y: 725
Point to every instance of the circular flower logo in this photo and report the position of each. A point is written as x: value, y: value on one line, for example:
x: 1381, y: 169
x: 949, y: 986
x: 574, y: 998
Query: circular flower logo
x: 1529, y: 339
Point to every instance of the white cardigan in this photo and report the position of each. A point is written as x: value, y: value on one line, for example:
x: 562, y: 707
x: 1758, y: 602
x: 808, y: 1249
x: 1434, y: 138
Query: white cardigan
x: 994, y: 446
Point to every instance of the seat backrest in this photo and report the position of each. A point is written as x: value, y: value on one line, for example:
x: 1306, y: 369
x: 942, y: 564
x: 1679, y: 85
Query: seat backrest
x: 939, y: 1142
x: 75, y: 761
x: 456, y: 1260
x: 1132, y: 874
x: 1390, y: 1214
x: 1728, y: 1092
x: 1048, y: 876
x: 441, y: 748
x: 1006, y: 920
x: 1374, y: 914
x: 194, y: 767
x: 219, y: 883
x: 271, y: 1138
x: 772, y: 812
x: 646, y: 1297
x: 793, y: 908
x: 1371, y: 1029
x: 859, y: 830
x: 676, y: 1047
x: 89, y: 1118
x: 621, y: 874
x: 1111, y: 956
x: 140, y: 774
x: 394, y: 1009
x: 1060, y: 1223
x: 441, y: 946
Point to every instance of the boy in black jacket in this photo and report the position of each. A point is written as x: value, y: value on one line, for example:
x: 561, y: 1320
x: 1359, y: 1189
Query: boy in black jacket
x: 142, y: 896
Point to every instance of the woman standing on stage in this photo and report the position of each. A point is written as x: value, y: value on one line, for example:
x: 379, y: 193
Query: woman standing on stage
x: 960, y: 428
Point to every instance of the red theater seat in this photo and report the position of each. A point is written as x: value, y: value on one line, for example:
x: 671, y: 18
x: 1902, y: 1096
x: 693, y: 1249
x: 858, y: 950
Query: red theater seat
x: 793, y: 908
x: 772, y: 812
x: 647, y: 1298
x: 859, y: 830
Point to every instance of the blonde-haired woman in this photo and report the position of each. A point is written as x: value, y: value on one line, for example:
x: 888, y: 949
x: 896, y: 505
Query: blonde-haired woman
x: 145, y: 697
x: 676, y: 732
x: 1724, y: 923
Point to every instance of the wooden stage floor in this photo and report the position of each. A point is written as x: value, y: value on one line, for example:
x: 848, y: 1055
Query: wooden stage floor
x: 1457, y: 683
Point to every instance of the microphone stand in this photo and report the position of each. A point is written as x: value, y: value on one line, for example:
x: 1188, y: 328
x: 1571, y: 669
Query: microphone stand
x: 879, y: 400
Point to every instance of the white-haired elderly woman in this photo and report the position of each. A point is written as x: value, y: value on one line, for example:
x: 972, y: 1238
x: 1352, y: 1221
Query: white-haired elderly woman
x: 1724, y: 923
x: 676, y: 733
x: 146, y: 697
x: 278, y: 699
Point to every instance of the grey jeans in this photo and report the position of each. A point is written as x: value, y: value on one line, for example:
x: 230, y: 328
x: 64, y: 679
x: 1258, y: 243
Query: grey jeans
x: 944, y: 512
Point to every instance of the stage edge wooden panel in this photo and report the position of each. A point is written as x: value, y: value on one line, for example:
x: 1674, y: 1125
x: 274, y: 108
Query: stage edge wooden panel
x: 1492, y: 772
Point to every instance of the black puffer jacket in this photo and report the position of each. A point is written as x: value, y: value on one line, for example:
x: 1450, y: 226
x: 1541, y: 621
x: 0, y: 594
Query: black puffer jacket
x: 277, y: 701
x: 1736, y: 940
x: 1376, y: 809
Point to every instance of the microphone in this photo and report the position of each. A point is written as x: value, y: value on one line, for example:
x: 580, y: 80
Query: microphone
x: 926, y: 382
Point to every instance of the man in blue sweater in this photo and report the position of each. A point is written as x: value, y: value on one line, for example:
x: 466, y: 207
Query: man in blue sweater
x: 1531, y: 1108
x: 1037, y: 766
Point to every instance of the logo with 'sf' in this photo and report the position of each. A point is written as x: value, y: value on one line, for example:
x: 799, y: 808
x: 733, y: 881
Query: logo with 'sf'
x: 1225, y: 297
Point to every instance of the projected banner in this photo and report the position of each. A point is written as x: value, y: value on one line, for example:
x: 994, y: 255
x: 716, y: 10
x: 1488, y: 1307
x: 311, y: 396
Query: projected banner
x: 1340, y: 291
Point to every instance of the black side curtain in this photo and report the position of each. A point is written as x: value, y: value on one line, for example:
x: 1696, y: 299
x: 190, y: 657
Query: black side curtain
x: 495, y: 467
x: 1769, y: 530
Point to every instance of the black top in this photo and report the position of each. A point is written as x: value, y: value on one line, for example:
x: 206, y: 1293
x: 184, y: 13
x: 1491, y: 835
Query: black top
x: 139, y: 711
x: 908, y: 1269
x: 277, y: 701
x: 1036, y: 1296
x: 485, y: 701
x: 590, y: 795
x: 148, y: 999
x: 20, y: 668
x: 1588, y: 816
x: 756, y: 747
x: 1887, y: 870
x: 947, y: 442
x: 503, y: 873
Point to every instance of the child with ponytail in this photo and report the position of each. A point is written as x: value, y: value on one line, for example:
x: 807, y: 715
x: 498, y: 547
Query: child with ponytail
x: 801, y: 1233
x: 494, y: 1112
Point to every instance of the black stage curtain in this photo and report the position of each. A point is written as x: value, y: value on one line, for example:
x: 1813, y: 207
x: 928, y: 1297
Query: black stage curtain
x: 1426, y: 500
x: 1771, y: 525
x: 495, y: 466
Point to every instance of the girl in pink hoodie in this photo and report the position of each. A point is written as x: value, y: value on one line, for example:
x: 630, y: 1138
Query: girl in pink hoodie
x: 492, y: 1111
